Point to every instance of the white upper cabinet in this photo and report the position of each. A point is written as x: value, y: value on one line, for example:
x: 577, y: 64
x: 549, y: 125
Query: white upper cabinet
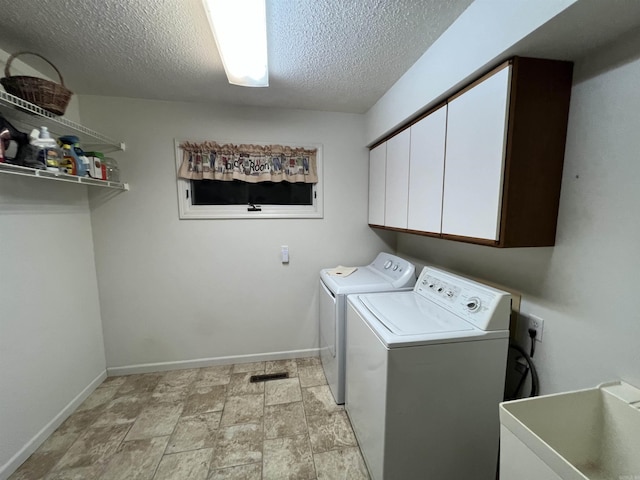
x: 475, y: 155
x: 485, y: 168
x: 426, y: 168
x: 377, y: 169
x: 397, y: 181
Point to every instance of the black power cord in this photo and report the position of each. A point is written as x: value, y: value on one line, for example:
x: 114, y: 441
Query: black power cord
x: 532, y: 335
x: 535, y: 386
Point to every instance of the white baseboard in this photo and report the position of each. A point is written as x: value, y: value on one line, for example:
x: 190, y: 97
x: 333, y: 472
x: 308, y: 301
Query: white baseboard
x: 209, y: 362
x: 39, y: 438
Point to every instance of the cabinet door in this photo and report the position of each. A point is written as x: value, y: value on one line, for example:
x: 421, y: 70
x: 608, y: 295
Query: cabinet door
x: 476, y: 133
x: 397, y: 184
x: 377, y: 168
x: 426, y: 172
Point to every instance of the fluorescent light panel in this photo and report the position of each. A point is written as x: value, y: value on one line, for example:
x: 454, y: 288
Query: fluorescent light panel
x: 240, y: 30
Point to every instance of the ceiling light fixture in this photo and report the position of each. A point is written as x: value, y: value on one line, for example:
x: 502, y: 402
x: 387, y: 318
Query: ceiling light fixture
x: 240, y: 30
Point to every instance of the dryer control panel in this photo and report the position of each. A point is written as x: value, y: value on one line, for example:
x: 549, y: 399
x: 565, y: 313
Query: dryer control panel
x: 485, y: 307
x: 398, y: 271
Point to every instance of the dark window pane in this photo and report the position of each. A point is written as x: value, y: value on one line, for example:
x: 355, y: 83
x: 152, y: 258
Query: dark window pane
x: 217, y: 192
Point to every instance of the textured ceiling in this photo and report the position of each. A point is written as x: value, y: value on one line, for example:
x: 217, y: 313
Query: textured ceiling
x: 336, y: 55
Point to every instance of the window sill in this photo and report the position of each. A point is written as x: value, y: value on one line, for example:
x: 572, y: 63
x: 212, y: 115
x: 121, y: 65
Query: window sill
x: 205, y: 212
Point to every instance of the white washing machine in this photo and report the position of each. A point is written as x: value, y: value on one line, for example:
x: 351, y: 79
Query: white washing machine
x: 386, y: 272
x: 425, y: 374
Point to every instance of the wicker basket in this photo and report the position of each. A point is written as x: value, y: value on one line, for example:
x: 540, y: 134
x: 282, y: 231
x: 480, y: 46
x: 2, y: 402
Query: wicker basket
x: 51, y: 96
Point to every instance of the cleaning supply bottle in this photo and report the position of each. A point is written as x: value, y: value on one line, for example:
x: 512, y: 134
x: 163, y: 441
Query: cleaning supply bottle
x: 81, y: 161
x: 48, y: 152
x: 97, y: 167
x: 69, y: 164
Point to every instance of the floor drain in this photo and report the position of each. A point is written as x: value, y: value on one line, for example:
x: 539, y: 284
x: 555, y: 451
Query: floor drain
x: 268, y: 376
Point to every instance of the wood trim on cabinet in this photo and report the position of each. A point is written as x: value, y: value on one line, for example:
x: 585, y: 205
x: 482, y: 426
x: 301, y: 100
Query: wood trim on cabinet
x: 423, y: 234
x: 408, y: 125
x: 540, y: 92
x: 405, y: 230
x: 490, y: 73
x: 477, y: 241
x: 443, y: 236
x: 384, y: 227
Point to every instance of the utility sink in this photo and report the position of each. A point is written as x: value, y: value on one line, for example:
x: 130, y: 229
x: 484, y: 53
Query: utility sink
x: 585, y: 434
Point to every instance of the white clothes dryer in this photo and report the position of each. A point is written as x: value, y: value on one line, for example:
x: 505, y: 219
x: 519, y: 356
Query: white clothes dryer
x: 387, y: 272
x: 425, y: 373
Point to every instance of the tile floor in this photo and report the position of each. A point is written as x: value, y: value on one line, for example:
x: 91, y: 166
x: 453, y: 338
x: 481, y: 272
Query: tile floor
x: 205, y: 424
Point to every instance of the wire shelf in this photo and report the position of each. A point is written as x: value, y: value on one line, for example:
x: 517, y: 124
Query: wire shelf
x: 27, y: 113
x: 60, y: 177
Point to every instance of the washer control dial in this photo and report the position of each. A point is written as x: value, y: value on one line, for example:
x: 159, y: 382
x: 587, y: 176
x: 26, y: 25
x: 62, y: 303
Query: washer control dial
x: 387, y: 264
x: 395, y: 267
x: 473, y: 304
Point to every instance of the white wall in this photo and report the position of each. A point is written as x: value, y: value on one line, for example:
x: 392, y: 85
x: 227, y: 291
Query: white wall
x: 484, y: 31
x: 584, y: 287
x: 51, y: 345
x: 177, y: 290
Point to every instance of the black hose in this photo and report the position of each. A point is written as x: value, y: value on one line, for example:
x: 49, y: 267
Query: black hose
x: 535, y: 387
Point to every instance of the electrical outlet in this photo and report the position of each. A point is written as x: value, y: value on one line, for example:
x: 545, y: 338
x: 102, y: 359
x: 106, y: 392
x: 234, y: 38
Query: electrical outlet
x: 538, y: 325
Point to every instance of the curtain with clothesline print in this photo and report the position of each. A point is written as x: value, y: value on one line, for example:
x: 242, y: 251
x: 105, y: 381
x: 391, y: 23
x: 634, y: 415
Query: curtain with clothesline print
x: 211, y: 160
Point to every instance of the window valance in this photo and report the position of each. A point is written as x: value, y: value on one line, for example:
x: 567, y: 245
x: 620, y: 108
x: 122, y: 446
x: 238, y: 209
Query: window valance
x: 249, y: 163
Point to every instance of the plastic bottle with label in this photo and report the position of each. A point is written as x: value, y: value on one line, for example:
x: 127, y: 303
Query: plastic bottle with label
x: 97, y: 167
x: 74, y: 150
x: 48, y: 152
x: 69, y: 164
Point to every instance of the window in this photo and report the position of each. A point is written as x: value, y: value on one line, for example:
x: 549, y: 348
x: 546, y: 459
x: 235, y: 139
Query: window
x: 216, y: 192
x: 234, y: 198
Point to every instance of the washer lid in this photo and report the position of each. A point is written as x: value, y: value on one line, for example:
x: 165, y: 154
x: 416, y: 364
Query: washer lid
x: 405, y: 313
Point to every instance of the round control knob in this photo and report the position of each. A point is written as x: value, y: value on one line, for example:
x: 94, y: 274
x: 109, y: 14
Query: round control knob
x: 440, y: 289
x: 431, y: 285
x: 473, y: 304
x: 395, y: 267
x: 449, y: 294
x: 387, y: 264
